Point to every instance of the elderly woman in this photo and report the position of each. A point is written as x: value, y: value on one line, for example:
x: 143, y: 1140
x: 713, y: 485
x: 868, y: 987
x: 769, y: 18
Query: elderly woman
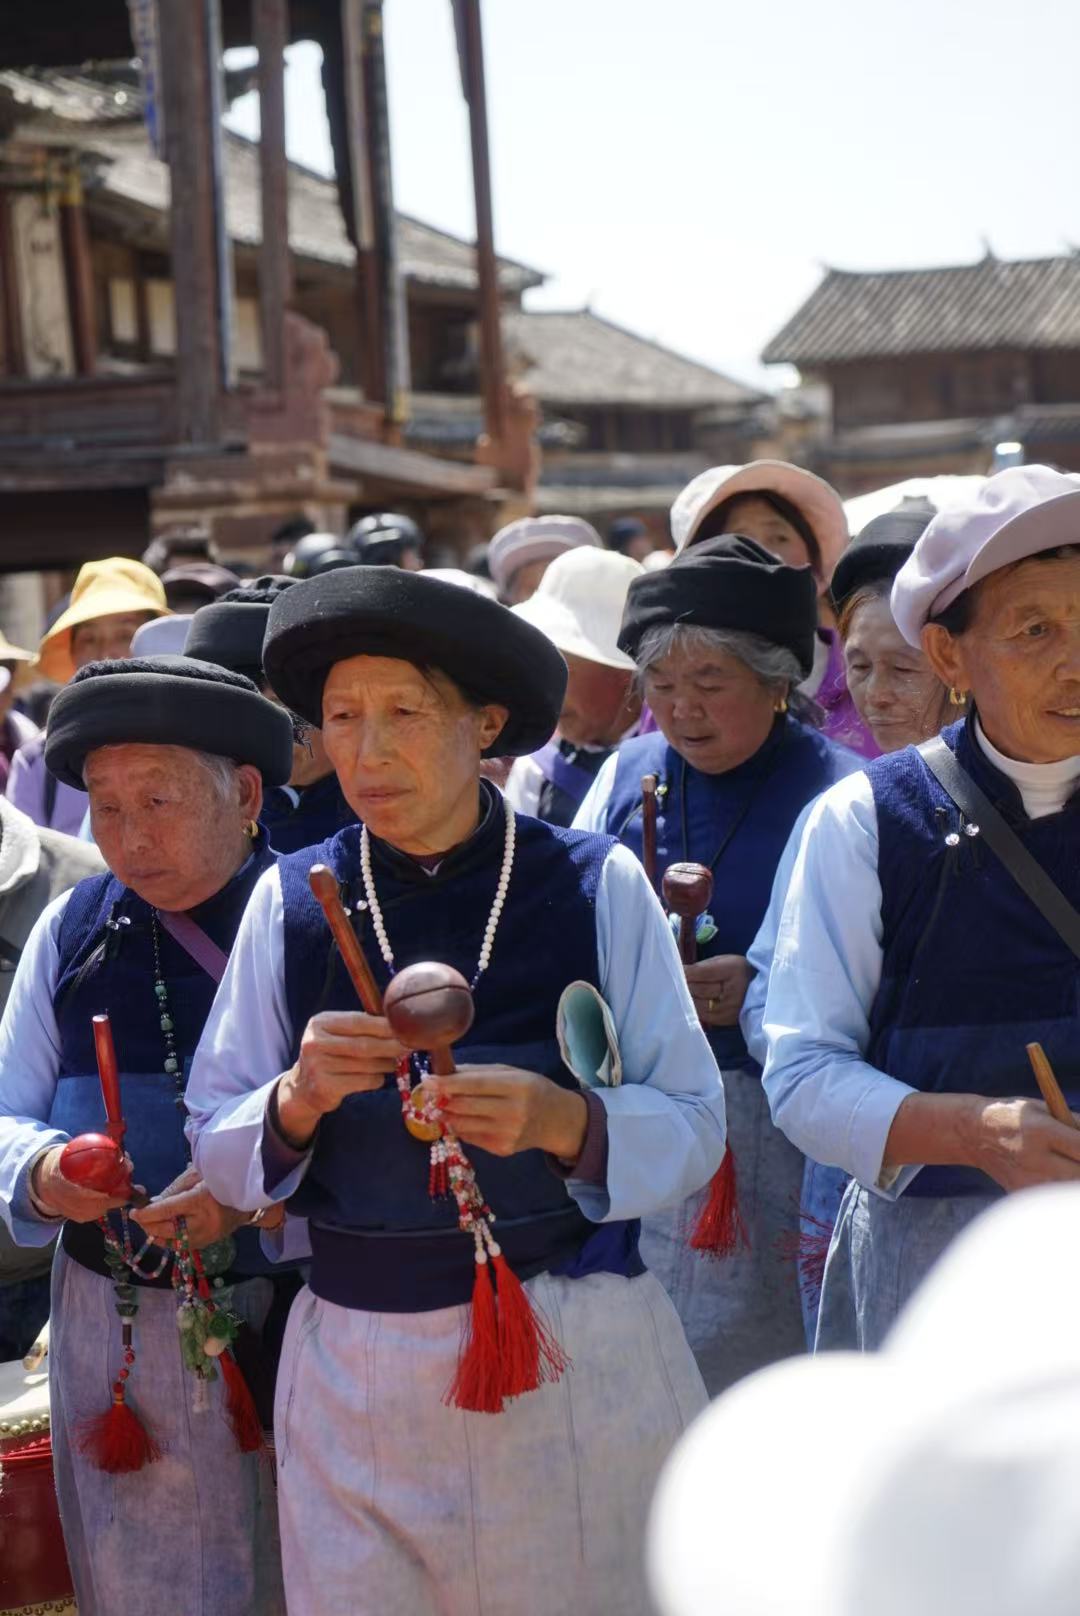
x: 721, y: 638
x: 798, y: 517
x: 902, y: 702
x: 539, y: 1503
x: 930, y: 932
x: 174, y: 755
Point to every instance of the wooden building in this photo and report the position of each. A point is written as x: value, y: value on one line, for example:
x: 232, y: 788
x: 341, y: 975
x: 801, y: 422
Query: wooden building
x: 173, y: 332
x: 929, y: 370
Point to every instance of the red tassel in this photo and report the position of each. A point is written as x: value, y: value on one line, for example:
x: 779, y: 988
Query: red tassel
x: 240, y: 1406
x: 720, y: 1230
x: 476, y: 1384
x: 117, y: 1441
x: 529, y: 1355
x: 808, y: 1248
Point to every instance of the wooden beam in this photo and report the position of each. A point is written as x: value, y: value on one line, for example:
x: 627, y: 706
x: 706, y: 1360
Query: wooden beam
x: 185, y: 69
x: 492, y: 373
x: 79, y: 274
x: 408, y: 469
x: 271, y: 25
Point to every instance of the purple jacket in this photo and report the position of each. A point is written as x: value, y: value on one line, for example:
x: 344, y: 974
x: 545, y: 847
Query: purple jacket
x: 40, y: 795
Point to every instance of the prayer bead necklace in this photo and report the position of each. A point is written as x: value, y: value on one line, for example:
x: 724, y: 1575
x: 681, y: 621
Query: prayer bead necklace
x: 379, y: 925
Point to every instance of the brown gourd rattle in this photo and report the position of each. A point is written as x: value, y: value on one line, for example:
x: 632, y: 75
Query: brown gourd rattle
x: 428, y: 1006
x: 688, y: 890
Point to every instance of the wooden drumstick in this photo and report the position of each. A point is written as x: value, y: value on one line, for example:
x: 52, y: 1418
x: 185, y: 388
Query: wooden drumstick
x: 1049, y: 1087
x: 430, y: 1007
x: 108, y: 1072
x: 688, y: 890
x: 649, y: 784
x: 325, y: 888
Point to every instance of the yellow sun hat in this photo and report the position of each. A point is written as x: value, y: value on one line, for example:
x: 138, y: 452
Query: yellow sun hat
x: 102, y: 589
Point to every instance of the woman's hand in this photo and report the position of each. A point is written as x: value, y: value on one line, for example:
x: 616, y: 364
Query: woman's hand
x: 188, y: 1197
x: 503, y: 1109
x: 341, y: 1053
x: 59, y: 1198
x: 1019, y: 1144
x: 718, y: 987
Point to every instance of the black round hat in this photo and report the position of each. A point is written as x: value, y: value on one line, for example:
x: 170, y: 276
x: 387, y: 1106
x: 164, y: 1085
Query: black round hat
x: 489, y: 652
x: 732, y: 583
x: 167, y: 701
x: 231, y: 631
x: 880, y: 550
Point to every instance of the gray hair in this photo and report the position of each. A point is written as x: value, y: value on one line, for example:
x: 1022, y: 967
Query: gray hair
x: 222, y: 772
x: 774, y: 666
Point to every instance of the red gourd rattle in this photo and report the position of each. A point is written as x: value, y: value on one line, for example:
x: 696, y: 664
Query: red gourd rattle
x: 95, y: 1161
x: 688, y: 890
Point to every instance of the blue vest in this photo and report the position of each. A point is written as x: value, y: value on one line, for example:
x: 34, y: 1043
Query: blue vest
x: 319, y: 812
x: 378, y: 1240
x: 972, y: 973
x: 736, y: 823
x: 106, y: 964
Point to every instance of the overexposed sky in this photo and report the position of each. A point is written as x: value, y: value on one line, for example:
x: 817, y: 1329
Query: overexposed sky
x: 686, y: 166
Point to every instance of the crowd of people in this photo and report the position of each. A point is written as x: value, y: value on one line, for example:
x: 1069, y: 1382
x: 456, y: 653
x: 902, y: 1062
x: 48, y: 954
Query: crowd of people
x: 544, y: 994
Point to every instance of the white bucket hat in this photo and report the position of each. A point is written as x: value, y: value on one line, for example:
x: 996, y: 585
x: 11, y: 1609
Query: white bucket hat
x: 536, y: 538
x: 579, y: 605
x: 1014, y: 515
x: 939, y: 1476
x: 818, y: 501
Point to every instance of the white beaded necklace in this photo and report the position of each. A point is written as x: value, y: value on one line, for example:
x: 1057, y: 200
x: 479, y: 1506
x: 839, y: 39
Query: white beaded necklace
x: 379, y: 926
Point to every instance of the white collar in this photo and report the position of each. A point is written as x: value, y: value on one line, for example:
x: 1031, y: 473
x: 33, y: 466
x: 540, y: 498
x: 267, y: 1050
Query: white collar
x: 1044, y: 787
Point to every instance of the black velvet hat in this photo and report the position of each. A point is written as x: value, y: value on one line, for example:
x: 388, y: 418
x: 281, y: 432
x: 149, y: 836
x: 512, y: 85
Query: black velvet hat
x: 167, y: 701
x: 492, y: 655
x: 732, y: 583
x: 231, y: 631
x: 880, y: 550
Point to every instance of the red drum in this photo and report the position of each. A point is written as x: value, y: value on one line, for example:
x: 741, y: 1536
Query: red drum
x: 34, y: 1576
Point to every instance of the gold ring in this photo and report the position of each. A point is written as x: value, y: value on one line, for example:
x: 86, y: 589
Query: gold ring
x: 712, y: 1005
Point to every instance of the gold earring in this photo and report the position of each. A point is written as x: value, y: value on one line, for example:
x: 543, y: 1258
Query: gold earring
x: 781, y: 706
x: 252, y: 829
x: 958, y: 698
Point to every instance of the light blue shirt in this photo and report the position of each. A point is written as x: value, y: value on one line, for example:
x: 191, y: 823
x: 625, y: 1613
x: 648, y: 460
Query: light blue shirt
x: 826, y: 969
x: 666, y: 1122
x: 29, y: 1063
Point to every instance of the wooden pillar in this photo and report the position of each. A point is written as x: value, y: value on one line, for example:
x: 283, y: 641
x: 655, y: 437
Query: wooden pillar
x: 78, y: 272
x: 492, y: 374
x: 189, y: 135
x: 12, y: 353
x: 271, y: 30
x: 371, y: 350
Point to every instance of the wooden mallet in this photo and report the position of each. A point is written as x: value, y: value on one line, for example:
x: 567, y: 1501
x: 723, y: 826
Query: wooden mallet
x: 649, y: 784
x: 1049, y: 1087
x: 325, y: 888
x: 95, y: 1161
x: 688, y: 890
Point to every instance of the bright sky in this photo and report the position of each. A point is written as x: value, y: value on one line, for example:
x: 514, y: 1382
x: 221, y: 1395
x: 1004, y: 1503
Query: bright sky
x: 686, y: 166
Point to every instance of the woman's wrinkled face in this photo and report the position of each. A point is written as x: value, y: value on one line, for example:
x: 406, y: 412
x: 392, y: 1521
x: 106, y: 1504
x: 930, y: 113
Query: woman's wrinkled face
x: 162, y: 825
x: 755, y: 518
x: 710, y: 707
x: 897, y: 693
x: 406, y: 746
x: 1020, y: 658
x: 600, y: 703
x: 105, y: 639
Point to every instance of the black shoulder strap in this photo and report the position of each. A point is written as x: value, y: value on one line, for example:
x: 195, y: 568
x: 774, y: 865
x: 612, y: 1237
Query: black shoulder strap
x: 1025, y: 870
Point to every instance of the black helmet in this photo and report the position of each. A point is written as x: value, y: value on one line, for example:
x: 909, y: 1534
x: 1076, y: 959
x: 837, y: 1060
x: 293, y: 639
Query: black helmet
x: 381, y: 540
x: 318, y: 552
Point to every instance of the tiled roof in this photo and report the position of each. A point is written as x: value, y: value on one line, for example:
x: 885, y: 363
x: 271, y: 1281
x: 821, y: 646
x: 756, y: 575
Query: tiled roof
x: 81, y: 113
x: 1030, y: 304
x: 573, y: 356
